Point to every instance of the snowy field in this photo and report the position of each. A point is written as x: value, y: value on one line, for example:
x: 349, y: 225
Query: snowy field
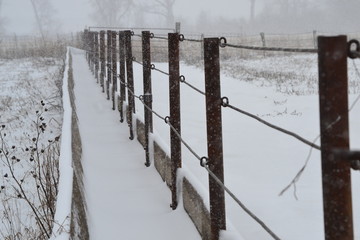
x: 30, y: 120
x: 260, y: 162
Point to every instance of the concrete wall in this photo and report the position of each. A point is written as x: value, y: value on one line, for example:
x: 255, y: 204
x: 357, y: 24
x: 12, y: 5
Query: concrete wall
x: 78, y: 227
x: 192, y: 201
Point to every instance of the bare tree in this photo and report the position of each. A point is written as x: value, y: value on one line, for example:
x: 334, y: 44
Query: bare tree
x: 44, y: 14
x: 164, y: 8
x: 111, y: 12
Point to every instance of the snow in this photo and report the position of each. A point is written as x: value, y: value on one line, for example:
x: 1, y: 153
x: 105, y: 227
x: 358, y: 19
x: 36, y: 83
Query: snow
x: 259, y: 161
x: 61, y: 228
x: 129, y: 201
x: 125, y: 200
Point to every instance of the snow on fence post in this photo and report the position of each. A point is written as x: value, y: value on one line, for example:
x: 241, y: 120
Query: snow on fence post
x: 114, y: 68
x: 214, y: 135
x: 122, y: 97
x: 102, y: 59
x: 96, y: 58
x: 108, y: 64
x: 175, y: 121
x: 334, y: 127
x: 146, y: 59
x: 130, y: 82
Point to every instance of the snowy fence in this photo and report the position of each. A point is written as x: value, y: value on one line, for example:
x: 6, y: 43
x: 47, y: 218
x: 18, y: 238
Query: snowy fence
x: 108, y: 50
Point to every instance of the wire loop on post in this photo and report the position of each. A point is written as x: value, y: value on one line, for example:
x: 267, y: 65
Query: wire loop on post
x: 181, y: 37
x: 354, y: 54
x: 141, y: 98
x: 223, y: 42
x: 182, y: 78
x: 132, y: 33
x: 152, y: 67
x: 152, y: 35
x: 167, y: 119
x: 225, y: 101
x: 204, y: 161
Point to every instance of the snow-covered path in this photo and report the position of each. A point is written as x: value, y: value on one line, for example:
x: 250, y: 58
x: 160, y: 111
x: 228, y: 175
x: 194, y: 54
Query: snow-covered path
x: 125, y: 200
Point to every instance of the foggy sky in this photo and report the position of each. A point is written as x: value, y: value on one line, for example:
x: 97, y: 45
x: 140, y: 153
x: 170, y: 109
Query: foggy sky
x: 74, y: 15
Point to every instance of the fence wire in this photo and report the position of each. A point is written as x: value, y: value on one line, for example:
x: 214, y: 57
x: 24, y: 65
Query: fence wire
x: 225, y: 103
x: 273, y: 49
x: 204, y: 164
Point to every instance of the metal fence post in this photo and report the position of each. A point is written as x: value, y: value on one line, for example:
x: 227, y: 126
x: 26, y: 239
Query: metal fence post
x: 315, y: 38
x: 122, y: 97
x: 334, y: 126
x: 108, y: 64
x: 130, y: 82
x: 214, y: 134
x: 93, y: 52
x: 96, y: 57
x: 114, y: 68
x: 102, y: 59
x: 175, y: 120
x: 146, y: 58
x: 262, y: 35
x: 86, y: 43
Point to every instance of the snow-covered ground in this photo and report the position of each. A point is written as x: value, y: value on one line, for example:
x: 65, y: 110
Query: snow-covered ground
x: 30, y: 88
x: 260, y: 162
x: 129, y: 201
x: 125, y: 200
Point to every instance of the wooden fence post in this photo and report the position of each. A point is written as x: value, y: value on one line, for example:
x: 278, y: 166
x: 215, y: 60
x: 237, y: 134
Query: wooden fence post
x: 114, y: 68
x: 102, y: 60
x: 175, y: 120
x: 214, y: 135
x: 334, y: 126
x: 122, y: 97
x: 108, y: 64
x: 146, y: 59
x: 130, y: 82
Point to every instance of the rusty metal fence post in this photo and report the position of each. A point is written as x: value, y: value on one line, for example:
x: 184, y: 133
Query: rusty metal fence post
x: 108, y: 64
x: 175, y: 116
x: 214, y: 135
x: 87, y: 45
x: 146, y: 59
x: 90, y: 49
x: 130, y: 82
x: 334, y: 126
x: 114, y: 68
x: 102, y: 60
x: 96, y: 57
x: 122, y: 96
x: 93, y: 52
